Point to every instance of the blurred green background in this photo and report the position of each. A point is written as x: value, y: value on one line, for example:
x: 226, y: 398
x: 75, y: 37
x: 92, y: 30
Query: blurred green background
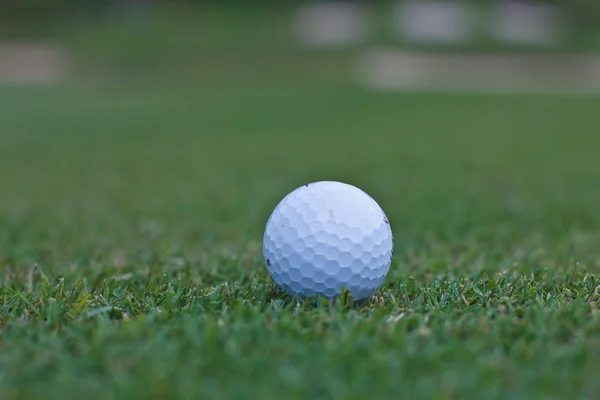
x: 143, y: 179
x: 203, y: 116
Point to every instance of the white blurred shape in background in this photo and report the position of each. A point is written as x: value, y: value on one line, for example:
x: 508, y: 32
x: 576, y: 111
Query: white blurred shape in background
x: 33, y: 63
x: 393, y: 69
x: 432, y: 21
x: 525, y: 23
x: 332, y: 24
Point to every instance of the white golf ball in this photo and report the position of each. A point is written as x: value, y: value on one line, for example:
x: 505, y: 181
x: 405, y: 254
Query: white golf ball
x: 326, y: 236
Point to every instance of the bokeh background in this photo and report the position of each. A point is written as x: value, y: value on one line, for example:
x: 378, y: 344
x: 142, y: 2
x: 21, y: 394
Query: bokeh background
x: 195, y: 118
x: 143, y: 145
x: 204, y: 114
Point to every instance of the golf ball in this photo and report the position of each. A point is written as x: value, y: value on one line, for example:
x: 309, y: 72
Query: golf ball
x: 326, y: 236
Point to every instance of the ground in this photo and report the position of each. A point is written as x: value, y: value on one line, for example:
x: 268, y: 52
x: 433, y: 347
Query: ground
x: 131, y: 243
x: 131, y: 222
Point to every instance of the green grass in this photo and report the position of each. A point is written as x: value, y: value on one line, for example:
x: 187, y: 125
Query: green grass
x: 131, y: 223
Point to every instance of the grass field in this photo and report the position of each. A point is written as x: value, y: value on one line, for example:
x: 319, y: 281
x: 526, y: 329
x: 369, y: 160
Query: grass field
x: 130, y: 242
x: 131, y: 222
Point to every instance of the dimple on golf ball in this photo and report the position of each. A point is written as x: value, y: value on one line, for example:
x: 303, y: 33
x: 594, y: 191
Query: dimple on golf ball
x: 326, y: 236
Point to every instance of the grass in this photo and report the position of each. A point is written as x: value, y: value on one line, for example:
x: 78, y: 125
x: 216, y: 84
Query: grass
x: 130, y: 243
x: 131, y: 222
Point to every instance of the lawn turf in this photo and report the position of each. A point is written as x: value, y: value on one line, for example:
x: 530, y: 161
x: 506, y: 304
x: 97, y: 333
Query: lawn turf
x: 131, y: 223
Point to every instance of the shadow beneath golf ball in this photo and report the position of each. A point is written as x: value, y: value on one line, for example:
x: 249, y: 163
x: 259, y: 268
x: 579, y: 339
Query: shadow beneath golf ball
x: 343, y: 300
